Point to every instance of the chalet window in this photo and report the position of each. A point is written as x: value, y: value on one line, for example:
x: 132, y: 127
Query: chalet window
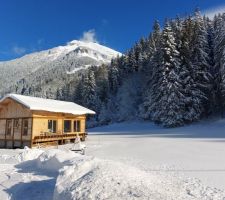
x: 52, y: 126
x: 25, y: 127
x: 76, y: 126
x: 16, y: 124
x: 8, y: 127
x: 67, y: 126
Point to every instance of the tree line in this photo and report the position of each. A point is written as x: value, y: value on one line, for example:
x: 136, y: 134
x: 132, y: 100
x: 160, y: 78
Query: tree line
x: 173, y: 77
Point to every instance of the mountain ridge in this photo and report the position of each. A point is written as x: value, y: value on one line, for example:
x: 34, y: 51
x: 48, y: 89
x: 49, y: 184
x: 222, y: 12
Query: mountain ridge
x: 70, y: 58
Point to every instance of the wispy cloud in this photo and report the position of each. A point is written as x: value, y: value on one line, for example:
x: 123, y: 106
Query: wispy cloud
x: 40, y: 41
x: 89, y: 36
x: 211, y: 12
x: 18, y: 50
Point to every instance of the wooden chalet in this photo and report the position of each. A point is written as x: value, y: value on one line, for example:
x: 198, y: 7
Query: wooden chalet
x: 31, y: 121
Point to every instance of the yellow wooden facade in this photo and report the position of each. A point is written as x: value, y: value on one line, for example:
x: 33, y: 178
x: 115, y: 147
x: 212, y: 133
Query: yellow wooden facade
x: 20, y: 126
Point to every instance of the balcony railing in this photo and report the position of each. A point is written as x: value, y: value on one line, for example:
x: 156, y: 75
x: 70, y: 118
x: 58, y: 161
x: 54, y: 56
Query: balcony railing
x: 56, y: 137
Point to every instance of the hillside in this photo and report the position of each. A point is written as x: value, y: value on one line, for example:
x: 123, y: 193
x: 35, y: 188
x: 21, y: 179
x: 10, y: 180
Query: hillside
x: 52, y: 65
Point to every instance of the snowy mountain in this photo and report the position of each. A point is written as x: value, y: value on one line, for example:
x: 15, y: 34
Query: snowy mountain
x: 68, y: 59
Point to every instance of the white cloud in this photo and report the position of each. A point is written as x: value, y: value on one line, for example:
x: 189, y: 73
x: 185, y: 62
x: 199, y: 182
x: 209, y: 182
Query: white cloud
x: 211, y: 12
x: 19, y: 50
x: 89, y: 36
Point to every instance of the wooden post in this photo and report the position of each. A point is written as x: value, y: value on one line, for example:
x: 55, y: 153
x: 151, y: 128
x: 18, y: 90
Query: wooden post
x: 21, y: 139
x: 13, y: 121
x: 31, y: 139
x: 5, y: 131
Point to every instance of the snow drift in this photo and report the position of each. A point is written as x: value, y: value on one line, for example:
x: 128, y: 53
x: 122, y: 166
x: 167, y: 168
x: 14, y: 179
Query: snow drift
x: 101, y: 179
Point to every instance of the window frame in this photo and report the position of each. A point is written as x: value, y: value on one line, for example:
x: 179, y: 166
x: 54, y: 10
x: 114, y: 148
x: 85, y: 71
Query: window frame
x: 16, y: 124
x: 23, y: 127
x: 9, y: 121
x: 53, y: 126
x: 77, y: 128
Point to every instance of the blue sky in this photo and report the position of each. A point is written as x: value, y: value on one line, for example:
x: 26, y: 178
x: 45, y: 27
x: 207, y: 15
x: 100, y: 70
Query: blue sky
x: 34, y: 25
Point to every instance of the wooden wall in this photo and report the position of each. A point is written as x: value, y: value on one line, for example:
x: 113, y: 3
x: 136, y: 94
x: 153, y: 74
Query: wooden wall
x: 12, y: 109
x: 40, y: 122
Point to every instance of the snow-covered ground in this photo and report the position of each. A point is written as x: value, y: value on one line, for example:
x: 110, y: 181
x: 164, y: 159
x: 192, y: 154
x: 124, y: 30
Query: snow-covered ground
x: 133, y: 160
x: 195, y: 151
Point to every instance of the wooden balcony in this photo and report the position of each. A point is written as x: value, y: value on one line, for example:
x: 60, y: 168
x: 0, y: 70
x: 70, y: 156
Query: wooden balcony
x: 57, y: 137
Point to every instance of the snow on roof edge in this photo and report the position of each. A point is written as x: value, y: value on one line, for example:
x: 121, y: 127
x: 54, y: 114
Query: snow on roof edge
x: 78, y: 112
x: 12, y: 96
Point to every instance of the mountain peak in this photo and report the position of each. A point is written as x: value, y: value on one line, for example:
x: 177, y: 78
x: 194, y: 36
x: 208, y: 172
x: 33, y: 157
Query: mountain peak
x: 85, y: 49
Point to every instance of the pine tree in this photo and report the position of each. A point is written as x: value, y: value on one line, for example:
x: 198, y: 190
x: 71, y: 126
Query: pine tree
x: 113, y: 78
x: 156, y: 36
x: 219, y: 46
x: 192, y: 94
x: 102, y: 84
x: 78, y: 92
x: 169, y: 107
x: 152, y: 72
x: 200, y: 61
x: 88, y: 93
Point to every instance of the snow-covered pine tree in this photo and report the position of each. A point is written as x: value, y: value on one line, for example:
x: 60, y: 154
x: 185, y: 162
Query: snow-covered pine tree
x: 222, y: 85
x: 169, y: 101
x: 77, y: 97
x: 102, y: 84
x: 88, y: 93
x: 219, y: 46
x: 200, y: 61
x: 213, y: 98
x: 156, y: 36
x: 132, y: 60
x: 192, y: 94
x: 151, y: 71
x: 113, y: 78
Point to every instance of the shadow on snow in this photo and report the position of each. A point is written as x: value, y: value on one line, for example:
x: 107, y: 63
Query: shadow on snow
x: 42, y: 189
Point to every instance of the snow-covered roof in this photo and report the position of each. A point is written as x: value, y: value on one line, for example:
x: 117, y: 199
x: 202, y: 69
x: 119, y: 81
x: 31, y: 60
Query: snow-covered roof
x: 50, y: 105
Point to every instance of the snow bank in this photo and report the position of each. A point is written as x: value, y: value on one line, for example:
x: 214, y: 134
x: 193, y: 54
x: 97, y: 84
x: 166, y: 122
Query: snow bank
x: 54, y: 159
x: 97, y: 179
x: 19, y: 155
x: 29, y: 154
x: 101, y: 179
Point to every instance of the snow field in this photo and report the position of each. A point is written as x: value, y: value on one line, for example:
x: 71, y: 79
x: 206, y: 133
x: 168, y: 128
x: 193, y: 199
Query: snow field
x: 127, y: 161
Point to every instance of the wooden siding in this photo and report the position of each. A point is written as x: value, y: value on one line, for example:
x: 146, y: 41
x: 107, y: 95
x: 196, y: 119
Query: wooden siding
x: 2, y: 129
x: 11, y: 109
